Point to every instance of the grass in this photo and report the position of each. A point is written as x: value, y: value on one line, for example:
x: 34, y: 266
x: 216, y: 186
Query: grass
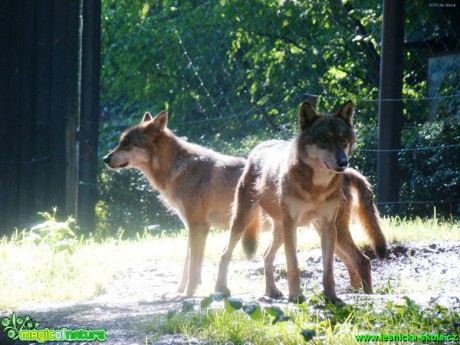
x: 51, y: 264
x: 33, y: 272
x: 312, y: 322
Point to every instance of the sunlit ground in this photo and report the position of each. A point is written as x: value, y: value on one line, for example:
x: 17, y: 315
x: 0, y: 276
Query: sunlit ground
x: 32, y: 273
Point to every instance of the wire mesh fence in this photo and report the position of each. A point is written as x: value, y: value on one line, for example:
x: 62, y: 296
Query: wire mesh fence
x: 233, y: 73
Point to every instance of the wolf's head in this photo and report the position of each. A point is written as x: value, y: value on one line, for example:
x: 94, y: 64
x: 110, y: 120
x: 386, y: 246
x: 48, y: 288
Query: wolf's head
x: 327, y: 138
x: 137, y: 144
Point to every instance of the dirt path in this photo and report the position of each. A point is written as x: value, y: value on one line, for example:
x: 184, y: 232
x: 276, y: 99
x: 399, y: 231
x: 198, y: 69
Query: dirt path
x: 135, y: 297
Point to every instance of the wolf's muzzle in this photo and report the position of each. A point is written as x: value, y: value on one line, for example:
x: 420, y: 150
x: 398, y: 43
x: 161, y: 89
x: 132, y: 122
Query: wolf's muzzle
x: 342, y: 162
x: 107, y: 159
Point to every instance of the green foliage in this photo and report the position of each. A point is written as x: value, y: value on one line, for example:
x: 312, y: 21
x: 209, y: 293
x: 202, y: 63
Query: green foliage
x: 208, y: 60
x: 313, y: 322
x: 364, y: 157
x: 253, y: 310
x: 431, y: 174
x: 232, y: 74
x: 58, y: 236
x: 232, y: 304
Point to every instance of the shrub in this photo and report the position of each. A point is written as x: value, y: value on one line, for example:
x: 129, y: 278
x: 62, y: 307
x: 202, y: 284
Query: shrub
x: 430, y: 174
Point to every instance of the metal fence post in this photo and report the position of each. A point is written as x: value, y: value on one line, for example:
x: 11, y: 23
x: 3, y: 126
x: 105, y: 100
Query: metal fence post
x: 390, y: 104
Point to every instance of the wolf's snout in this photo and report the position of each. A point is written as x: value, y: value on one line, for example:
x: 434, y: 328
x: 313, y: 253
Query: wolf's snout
x: 342, y: 162
x: 107, y: 158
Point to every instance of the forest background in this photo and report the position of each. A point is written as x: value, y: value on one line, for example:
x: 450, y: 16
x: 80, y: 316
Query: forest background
x: 233, y: 73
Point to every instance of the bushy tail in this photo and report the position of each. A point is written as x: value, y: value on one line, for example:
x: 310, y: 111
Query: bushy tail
x: 366, y: 210
x: 251, y: 235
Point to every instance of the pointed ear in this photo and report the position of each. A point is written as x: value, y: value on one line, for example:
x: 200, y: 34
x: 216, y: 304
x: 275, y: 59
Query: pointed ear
x: 147, y: 117
x: 306, y: 115
x: 160, y: 121
x: 346, y: 112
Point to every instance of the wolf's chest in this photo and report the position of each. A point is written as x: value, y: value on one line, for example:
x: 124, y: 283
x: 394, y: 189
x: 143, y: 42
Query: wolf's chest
x: 304, y: 211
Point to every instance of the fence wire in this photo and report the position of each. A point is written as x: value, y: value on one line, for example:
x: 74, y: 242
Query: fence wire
x: 232, y: 73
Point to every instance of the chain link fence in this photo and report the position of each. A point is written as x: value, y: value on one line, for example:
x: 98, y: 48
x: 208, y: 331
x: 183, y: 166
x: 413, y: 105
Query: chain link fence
x: 233, y: 73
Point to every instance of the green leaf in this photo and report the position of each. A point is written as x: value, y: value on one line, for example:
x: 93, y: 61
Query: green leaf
x: 235, y: 303
x: 281, y: 318
x: 171, y: 313
x: 232, y: 304
x: 187, y: 306
x: 218, y: 296
x: 389, y: 305
x: 308, y: 334
x: 274, y: 311
x: 145, y: 10
x: 253, y: 310
x: 228, y: 306
x: 206, y: 302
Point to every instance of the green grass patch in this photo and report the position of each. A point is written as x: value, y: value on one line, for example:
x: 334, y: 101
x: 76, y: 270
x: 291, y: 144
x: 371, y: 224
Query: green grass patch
x: 314, y: 321
x: 49, y: 263
x: 419, y: 229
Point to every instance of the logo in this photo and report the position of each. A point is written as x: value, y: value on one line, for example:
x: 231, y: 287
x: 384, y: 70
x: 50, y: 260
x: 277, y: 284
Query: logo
x: 26, y: 329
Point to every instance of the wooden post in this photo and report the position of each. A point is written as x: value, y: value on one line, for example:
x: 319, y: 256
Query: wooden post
x: 10, y: 71
x: 89, y: 115
x: 71, y: 104
x: 390, y: 105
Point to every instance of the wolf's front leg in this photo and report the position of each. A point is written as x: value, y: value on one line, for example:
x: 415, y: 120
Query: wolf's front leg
x: 328, y: 235
x: 197, y: 242
x: 184, y: 280
x: 290, y: 247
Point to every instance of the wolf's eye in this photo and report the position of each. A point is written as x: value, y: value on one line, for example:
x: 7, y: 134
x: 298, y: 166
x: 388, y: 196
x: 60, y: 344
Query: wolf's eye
x: 124, y: 143
x: 344, y: 142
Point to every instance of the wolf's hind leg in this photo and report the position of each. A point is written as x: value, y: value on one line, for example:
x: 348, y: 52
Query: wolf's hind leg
x: 358, y: 264
x: 244, y: 211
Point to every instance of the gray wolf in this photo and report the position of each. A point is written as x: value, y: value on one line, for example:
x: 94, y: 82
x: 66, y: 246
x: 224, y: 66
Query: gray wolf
x: 306, y: 180
x: 196, y: 182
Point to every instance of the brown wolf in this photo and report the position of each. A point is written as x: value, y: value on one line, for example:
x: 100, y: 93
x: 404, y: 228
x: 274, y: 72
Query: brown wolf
x: 306, y: 181
x: 196, y: 182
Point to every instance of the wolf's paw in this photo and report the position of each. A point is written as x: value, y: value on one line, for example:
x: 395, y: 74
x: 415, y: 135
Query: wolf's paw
x: 333, y: 300
x: 171, y: 296
x: 297, y: 299
x: 223, y: 289
x: 367, y: 287
x: 274, y: 293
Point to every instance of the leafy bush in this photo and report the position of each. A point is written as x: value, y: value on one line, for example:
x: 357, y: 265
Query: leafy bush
x: 364, y: 157
x: 431, y: 171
